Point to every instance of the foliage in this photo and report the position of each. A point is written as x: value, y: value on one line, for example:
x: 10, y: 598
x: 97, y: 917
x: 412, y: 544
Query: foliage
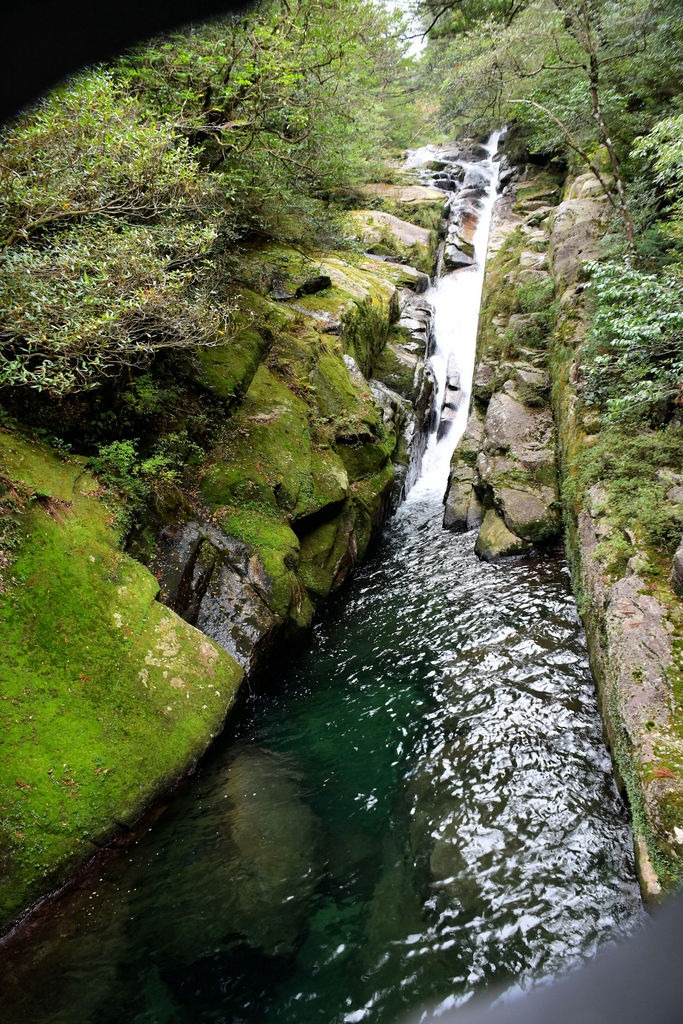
x: 578, y: 75
x: 279, y: 101
x: 633, y: 359
x: 627, y: 463
x: 90, y: 150
x: 662, y: 149
x: 101, y: 298
x: 124, y: 192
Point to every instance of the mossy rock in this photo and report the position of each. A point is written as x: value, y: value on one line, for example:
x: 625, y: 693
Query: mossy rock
x: 397, y: 369
x: 229, y: 369
x: 495, y: 541
x: 370, y: 498
x: 92, y: 667
x: 406, y: 241
x: 328, y: 552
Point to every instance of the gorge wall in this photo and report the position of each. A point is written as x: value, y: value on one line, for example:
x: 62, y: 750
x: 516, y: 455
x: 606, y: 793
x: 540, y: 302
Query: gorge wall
x: 123, y: 653
x: 525, y: 472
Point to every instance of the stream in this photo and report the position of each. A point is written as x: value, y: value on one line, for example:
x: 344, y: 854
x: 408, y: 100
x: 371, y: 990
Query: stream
x: 421, y: 807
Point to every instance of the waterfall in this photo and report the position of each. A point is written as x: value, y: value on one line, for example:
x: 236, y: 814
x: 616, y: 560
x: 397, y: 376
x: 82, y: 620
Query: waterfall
x: 456, y: 298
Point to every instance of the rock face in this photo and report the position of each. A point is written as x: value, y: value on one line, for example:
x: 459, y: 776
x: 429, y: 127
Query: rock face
x: 386, y: 235
x: 631, y: 609
x: 316, y: 412
x: 575, y: 235
x: 505, y: 462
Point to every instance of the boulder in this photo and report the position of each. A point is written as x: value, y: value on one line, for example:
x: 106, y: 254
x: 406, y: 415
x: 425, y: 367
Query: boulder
x: 455, y: 259
x: 463, y: 510
x: 495, y: 541
x: 531, y: 514
x: 677, y: 570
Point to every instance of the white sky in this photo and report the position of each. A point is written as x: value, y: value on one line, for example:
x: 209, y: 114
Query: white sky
x: 416, y: 45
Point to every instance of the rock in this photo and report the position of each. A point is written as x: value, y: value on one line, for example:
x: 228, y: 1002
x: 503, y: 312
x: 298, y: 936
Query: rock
x: 677, y: 570
x: 463, y: 510
x: 313, y: 286
x: 235, y: 616
x: 495, y: 541
x: 452, y: 397
x: 405, y: 240
x: 454, y: 259
x: 476, y: 180
x: 510, y: 424
x: 531, y: 515
x: 577, y: 230
x: 531, y: 384
x: 485, y: 382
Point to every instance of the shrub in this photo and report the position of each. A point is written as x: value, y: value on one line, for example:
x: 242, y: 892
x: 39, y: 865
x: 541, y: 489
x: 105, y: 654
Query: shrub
x: 633, y: 358
x: 102, y: 298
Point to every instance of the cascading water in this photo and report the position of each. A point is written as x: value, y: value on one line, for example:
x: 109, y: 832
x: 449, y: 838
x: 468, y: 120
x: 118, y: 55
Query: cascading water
x: 422, y: 808
x: 456, y: 298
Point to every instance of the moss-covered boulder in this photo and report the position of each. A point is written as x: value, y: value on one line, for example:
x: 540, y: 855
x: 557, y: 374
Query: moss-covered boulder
x: 108, y: 696
x: 495, y: 541
x: 418, y: 204
x: 387, y: 235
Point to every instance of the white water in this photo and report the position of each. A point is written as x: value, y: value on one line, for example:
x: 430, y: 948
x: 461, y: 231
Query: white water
x: 456, y: 298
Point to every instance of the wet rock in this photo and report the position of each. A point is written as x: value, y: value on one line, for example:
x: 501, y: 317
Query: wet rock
x: 455, y: 259
x: 463, y: 510
x: 452, y: 397
x: 495, y: 540
x: 234, y: 614
x: 476, y: 180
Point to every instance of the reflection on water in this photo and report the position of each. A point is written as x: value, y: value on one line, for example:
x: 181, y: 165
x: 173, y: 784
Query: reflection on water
x: 423, y: 809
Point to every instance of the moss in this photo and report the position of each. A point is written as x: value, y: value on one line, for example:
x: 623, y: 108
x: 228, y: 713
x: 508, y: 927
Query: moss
x: 229, y: 369
x: 396, y: 372
x: 275, y: 543
x: 92, y: 666
x: 369, y: 497
x: 326, y: 552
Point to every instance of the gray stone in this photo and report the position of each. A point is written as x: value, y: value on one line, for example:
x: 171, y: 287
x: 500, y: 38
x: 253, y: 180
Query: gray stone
x: 577, y: 229
x: 677, y: 570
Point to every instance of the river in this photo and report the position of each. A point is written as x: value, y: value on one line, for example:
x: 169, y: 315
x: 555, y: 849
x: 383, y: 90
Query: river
x: 420, y: 807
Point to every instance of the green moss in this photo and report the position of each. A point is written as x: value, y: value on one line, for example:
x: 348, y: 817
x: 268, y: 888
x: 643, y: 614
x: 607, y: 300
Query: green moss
x: 394, y: 371
x: 275, y: 543
x: 326, y: 554
x: 229, y: 369
x: 369, y: 496
x: 91, y: 667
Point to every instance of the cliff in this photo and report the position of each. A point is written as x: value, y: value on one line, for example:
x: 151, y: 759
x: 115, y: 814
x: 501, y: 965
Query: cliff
x: 536, y: 455
x: 123, y: 651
